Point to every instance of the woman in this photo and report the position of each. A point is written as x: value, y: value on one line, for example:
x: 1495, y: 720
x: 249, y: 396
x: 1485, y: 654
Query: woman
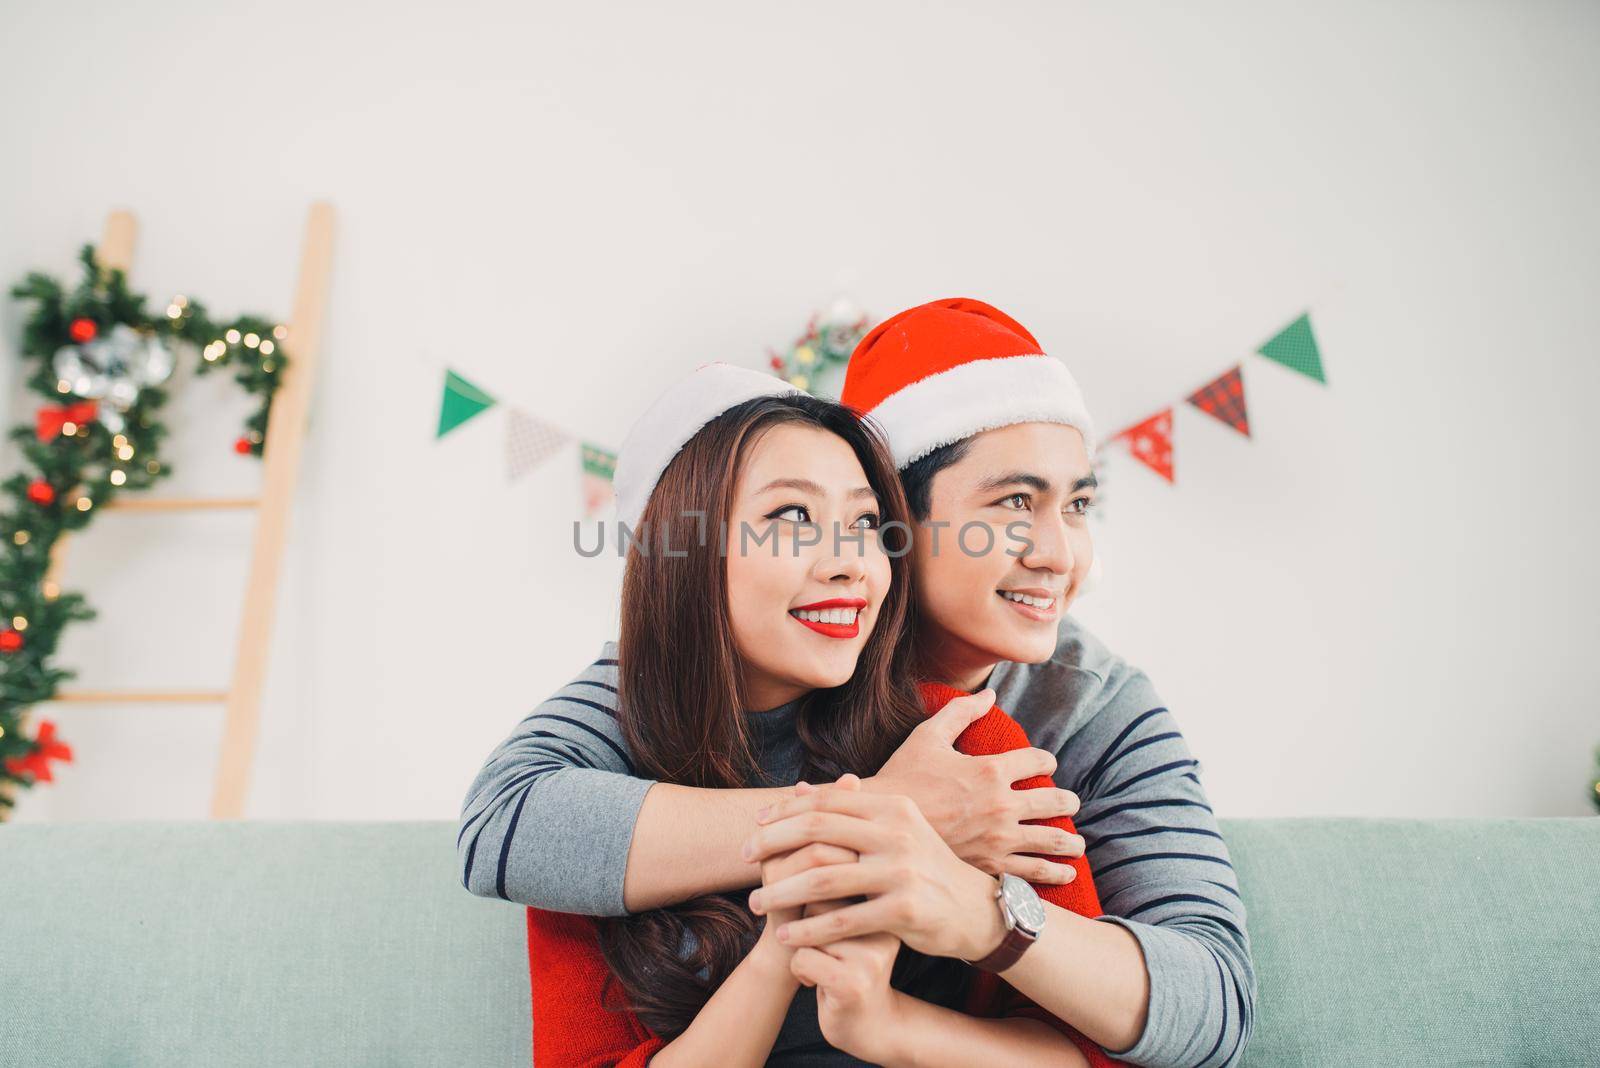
x: 759, y: 644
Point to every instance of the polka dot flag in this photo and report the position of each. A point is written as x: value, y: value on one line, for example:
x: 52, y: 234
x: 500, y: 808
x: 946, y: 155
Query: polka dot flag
x: 1151, y: 442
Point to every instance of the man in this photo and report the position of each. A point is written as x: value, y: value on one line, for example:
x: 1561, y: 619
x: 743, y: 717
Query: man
x: 993, y: 442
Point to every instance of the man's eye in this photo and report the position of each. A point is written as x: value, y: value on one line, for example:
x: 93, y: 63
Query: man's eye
x: 1021, y: 497
x: 1085, y: 501
x: 805, y: 515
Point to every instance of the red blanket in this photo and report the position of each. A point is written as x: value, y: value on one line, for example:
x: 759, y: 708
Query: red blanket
x: 567, y: 972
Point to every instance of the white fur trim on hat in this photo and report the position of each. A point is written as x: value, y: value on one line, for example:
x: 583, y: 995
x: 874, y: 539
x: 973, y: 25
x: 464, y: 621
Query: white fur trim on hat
x: 675, y: 417
x: 981, y: 395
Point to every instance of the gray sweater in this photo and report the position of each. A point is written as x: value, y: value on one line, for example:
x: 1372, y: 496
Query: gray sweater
x: 549, y: 819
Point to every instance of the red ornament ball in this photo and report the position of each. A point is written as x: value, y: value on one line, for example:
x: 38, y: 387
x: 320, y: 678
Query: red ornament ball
x: 10, y: 641
x: 777, y: 363
x: 41, y: 492
x: 242, y: 446
x: 83, y: 329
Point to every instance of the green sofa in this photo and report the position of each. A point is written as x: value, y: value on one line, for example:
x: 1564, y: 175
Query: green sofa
x: 1377, y: 942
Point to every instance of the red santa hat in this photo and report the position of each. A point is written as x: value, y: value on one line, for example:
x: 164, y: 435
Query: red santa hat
x: 945, y: 370
x: 675, y: 417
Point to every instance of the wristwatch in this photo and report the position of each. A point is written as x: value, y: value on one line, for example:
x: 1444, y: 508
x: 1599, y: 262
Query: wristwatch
x: 1023, y: 914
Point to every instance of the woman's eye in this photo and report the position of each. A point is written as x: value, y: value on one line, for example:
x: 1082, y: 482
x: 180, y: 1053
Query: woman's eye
x: 870, y: 519
x: 805, y: 516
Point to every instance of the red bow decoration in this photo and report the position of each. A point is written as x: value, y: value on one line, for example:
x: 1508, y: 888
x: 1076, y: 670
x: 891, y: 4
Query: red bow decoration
x: 51, y: 419
x: 37, y: 763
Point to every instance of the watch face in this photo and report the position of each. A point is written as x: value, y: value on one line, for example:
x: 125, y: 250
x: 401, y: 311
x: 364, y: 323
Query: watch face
x: 1023, y: 902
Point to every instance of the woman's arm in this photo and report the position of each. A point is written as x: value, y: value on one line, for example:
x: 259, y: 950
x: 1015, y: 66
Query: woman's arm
x: 581, y: 1018
x: 740, y: 1022
x: 928, y: 1035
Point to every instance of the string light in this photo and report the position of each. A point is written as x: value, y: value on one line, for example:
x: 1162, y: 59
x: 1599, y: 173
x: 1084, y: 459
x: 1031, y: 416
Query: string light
x: 232, y: 336
x: 118, y: 477
x: 251, y: 341
x: 266, y: 348
x: 84, y: 504
x: 19, y: 623
x: 267, y: 365
x: 20, y: 537
x: 280, y: 331
x: 51, y: 590
x: 69, y: 429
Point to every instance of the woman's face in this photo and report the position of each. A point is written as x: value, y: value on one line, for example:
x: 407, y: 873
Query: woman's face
x: 806, y: 573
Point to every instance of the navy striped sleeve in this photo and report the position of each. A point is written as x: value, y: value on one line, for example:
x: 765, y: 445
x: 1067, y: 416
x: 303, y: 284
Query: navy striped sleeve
x: 1163, y: 873
x: 549, y: 819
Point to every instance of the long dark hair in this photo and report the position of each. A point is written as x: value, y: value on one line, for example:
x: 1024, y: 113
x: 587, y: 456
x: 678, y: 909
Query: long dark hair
x: 679, y: 690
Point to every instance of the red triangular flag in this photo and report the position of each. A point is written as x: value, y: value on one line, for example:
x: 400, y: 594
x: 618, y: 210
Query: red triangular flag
x: 1151, y: 442
x: 1223, y: 398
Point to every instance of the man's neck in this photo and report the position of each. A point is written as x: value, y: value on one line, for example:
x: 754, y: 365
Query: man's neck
x: 956, y: 663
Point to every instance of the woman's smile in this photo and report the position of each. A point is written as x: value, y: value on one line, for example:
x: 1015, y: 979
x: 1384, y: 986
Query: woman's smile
x: 837, y: 617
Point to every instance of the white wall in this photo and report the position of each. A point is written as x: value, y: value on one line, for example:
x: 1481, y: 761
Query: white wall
x: 1382, y: 604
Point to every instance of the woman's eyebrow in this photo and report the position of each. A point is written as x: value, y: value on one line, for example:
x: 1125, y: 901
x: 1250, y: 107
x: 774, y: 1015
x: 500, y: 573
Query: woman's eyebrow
x: 808, y: 486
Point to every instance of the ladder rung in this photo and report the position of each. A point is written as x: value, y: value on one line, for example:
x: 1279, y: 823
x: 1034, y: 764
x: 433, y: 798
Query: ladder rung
x: 149, y: 697
x: 179, y: 504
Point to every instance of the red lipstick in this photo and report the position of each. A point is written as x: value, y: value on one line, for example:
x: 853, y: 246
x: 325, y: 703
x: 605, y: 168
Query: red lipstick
x: 832, y: 630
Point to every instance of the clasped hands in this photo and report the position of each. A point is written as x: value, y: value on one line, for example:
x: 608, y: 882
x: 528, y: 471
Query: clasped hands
x: 850, y: 871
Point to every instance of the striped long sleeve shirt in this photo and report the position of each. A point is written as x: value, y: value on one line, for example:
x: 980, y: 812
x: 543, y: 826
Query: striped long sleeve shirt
x: 549, y: 818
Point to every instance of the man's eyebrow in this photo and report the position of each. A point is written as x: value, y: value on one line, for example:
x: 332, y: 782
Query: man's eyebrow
x: 807, y: 486
x: 1024, y: 478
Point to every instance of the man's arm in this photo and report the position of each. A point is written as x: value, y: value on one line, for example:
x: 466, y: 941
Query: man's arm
x: 1164, y: 876
x: 550, y: 821
x: 547, y: 820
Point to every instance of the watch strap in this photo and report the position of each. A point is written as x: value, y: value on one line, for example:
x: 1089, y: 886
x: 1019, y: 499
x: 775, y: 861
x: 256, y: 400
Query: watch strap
x: 1006, y: 953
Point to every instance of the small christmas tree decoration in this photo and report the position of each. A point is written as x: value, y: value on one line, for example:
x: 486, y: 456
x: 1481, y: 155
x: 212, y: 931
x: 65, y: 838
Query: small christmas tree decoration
x: 10, y: 640
x: 82, y: 330
x: 1594, y: 787
x: 41, y: 492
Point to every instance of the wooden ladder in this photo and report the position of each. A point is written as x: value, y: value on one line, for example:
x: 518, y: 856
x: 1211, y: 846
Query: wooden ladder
x: 286, y: 429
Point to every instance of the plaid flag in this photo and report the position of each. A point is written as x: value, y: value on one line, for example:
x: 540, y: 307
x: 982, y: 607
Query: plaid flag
x: 529, y: 443
x: 1223, y: 398
x: 1151, y: 442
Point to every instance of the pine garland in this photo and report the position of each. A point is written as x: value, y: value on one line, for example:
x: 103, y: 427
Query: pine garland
x: 74, y: 463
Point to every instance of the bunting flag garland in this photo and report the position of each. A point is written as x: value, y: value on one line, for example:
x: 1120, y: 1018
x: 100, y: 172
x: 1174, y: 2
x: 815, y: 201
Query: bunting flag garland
x: 529, y: 443
x: 462, y: 400
x: 1223, y: 398
x: 599, y: 466
x: 1151, y: 442
x: 1296, y: 348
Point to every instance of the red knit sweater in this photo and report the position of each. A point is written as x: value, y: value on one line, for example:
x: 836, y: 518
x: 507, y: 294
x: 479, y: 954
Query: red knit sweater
x: 567, y: 972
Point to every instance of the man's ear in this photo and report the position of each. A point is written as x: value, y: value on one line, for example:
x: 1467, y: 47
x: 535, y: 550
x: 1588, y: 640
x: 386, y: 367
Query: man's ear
x: 1091, y: 578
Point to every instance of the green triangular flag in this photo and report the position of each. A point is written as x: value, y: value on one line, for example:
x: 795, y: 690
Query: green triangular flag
x: 462, y: 401
x: 1296, y: 349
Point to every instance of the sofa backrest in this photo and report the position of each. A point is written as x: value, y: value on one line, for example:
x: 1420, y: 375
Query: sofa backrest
x: 1415, y: 942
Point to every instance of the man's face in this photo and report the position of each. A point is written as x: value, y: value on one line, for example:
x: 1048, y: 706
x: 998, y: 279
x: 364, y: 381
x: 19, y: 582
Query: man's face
x: 1020, y: 495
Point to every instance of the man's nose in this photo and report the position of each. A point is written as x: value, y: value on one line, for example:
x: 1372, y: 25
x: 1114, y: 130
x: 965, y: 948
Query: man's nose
x: 1050, y: 548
